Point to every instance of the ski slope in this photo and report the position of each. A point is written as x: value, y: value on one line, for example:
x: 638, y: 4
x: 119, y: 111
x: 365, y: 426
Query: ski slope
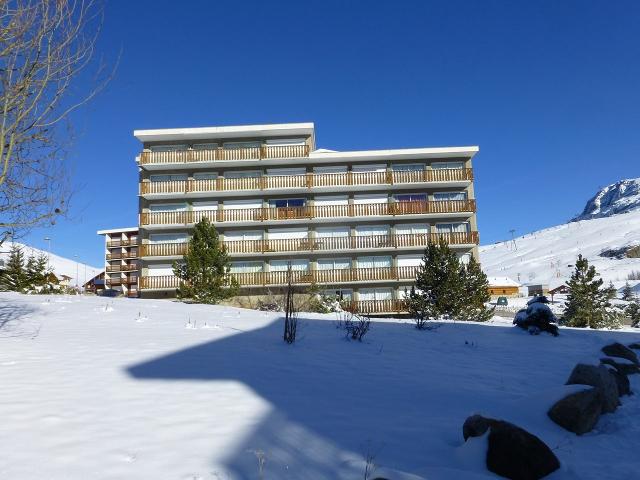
x: 547, y: 256
x: 111, y: 389
x: 60, y: 265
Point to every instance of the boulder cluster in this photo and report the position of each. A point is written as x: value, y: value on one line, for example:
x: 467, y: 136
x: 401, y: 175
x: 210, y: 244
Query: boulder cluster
x: 604, y: 385
x: 519, y: 455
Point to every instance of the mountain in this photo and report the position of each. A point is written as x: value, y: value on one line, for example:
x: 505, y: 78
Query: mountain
x: 619, y: 197
x: 607, y: 233
x: 60, y: 265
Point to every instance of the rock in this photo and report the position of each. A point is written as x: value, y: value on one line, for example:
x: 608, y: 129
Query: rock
x: 578, y: 412
x: 601, y: 378
x: 512, y: 452
x: 476, y: 426
x: 622, y: 381
x: 635, y: 345
x: 619, y: 350
x: 517, y: 454
x: 626, y: 368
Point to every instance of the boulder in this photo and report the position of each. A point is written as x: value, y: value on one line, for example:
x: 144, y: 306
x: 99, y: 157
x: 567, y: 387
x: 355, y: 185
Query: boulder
x: 512, y: 452
x: 619, y: 350
x: 578, y: 412
x: 622, y: 381
x: 626, y: 368
x: 602, y: 379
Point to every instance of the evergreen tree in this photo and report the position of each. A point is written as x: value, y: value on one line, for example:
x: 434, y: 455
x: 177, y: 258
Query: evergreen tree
x: 36, y: 271
x: 205, y: 267
x: 439, y: 285
x: 14, y: 277
x: 475, y: 293
x: 627, y: 292
x: 587, y: 302
x: 633, y: 312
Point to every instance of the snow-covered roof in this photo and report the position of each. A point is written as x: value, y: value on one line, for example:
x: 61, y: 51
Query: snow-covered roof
x: 400, y: 153
x: 502, y: 282
x: 269, y: 130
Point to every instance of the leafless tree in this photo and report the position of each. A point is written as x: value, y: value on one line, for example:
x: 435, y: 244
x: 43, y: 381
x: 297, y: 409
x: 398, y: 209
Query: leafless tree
x: 290, y: 313
x: 45, y: 45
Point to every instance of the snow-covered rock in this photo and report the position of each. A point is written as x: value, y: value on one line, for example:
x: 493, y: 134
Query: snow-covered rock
x: 620, y: 197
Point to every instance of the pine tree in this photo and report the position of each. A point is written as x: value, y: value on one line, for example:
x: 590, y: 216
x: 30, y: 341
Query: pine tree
x: 439, y: 286
x: 633, y: 312
x: 36, y: 271
x: 475, y: 293
x: 205, y: 267
x: 14, y: 277
x: 627, y: 292
x: 587, y: 302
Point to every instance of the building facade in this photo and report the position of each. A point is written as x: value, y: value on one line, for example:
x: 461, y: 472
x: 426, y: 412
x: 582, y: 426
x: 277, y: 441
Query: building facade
x: 350, y: 223
x: 122, y: 264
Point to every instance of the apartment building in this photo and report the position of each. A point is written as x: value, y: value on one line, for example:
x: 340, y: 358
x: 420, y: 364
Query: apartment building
x: 351, y: 223
x: 121, y: 267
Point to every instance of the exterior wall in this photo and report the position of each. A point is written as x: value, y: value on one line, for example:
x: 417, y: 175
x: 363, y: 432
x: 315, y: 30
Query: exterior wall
x: 394, y: 277
x: 506, y: 291
x: 122, y: 263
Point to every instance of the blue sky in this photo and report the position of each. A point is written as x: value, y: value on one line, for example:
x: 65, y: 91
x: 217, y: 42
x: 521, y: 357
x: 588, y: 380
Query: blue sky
x: 547, y: 89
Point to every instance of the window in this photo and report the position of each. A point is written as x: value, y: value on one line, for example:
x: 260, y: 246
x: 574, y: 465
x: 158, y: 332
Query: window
x: 242, y: 235
x: 167, y: 238
x: 370, y: 198
x: 461, y: 227
x: 340, y: 294
x: 334, y: 264
x: 331, y: 200
x: 245, y: 267
x: 375, y: 294
x: 204, y: 206
x: 373, y: 167
x: 168, y: 177
x: 330, y: 169
x: 167, y: 148
x: 205, y: 146
x: 443, y: 165
x: 160, y: 270
x: 280, y: 233
x: 374, y: 262
x: 287, y: 202
x: 286, y: 141
x: 243, y: 174
x: 411, y: 197
x: 465, y: 258
x: 412, y: 228
x: 237, y: 145
x: 408, y: 167
x: 285, y: 172
x: 440, y: 196
x: 241, y: 204
x: 205, y: 176
x: 409, y: 260
x: 297, y: 265
x: 332, y: 232
x: 369, y: 230
x: 168, y: 207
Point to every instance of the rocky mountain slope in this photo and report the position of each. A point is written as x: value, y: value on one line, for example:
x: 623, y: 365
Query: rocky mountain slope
x: 619, y: 197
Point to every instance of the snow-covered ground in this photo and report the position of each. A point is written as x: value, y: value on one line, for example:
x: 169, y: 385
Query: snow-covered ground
x: 60, y: 265
x: 96, y: 388
x: 547, y: 256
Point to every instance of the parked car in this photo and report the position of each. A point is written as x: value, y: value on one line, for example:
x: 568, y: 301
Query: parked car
x: 502, y: 301
x: 110, y: 292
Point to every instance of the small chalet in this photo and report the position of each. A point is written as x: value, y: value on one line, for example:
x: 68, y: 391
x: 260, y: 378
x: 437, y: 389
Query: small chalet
x: 503, y: 287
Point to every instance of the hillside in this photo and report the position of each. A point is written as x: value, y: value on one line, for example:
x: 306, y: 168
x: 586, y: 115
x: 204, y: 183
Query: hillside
x: 60, y: 265
x: 548, y: 256
x: 99, y: 388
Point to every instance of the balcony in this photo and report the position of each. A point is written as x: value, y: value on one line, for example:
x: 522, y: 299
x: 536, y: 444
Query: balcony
x: 371, y: 242
x: 224, y: 154
x: 307, y: 181
x: 122, y: 243
x: 122, y: 255
x: 190, y: 217
x: 262, y: 279
x: 121, y: 268
x: 375, y: 306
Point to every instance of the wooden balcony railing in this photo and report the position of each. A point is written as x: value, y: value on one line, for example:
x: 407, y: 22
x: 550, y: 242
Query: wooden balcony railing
x: 122, y: 255
x: 113, y: 281
x: 320, y: 211
x: 298, y: 277
x: 121, y: 268
x: 375, y: 306
x: 123, y: 243
x: 225, y: 154
x: 318, y: 244
x: 308, y: 181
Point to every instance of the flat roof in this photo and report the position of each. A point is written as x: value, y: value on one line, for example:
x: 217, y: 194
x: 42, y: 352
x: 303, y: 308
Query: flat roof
x: 118, y: 230
x: 399, y: 153
x: 202, y: 133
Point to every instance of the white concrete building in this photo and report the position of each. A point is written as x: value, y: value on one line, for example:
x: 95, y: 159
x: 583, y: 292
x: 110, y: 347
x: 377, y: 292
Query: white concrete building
x: 121, y: 260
